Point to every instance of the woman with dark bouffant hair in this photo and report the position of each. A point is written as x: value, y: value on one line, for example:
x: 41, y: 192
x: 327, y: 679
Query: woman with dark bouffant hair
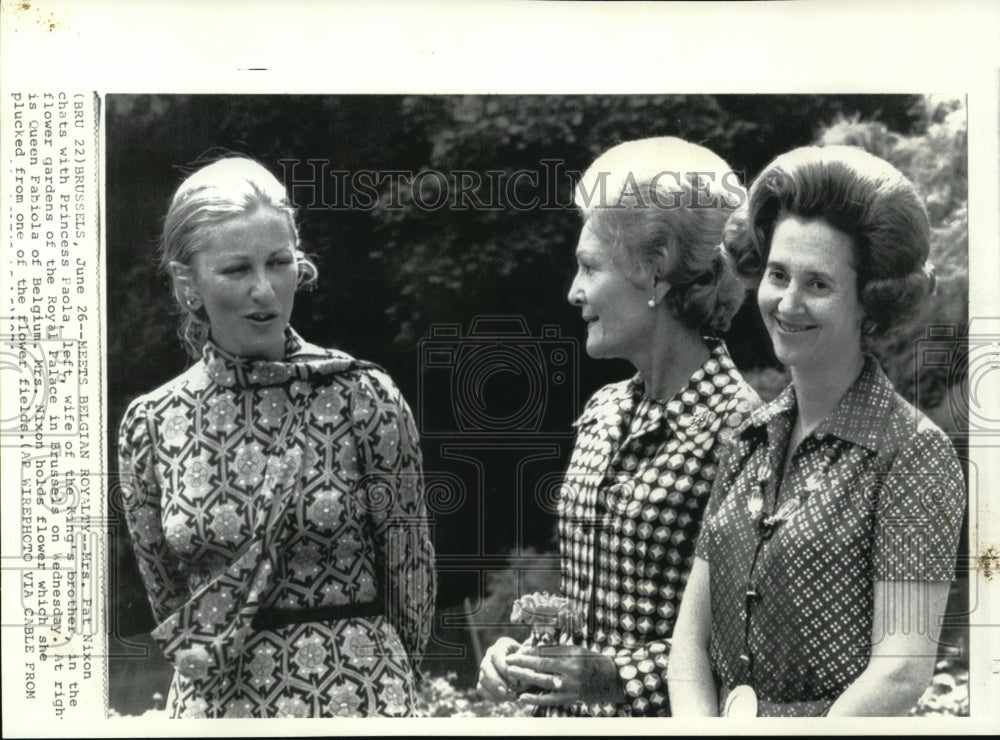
x: 655, y: 287
x: 829, y: 542
x: 275, y: 497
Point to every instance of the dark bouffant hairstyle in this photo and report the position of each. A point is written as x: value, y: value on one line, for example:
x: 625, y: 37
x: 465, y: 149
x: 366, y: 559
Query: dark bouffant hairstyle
x: 864, y: 197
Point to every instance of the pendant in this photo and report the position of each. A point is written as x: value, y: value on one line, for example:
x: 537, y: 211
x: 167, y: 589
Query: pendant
x: 786, y: 510
x: 741, y: 702
x: 815, y: 481
x: 764, y: 472
x: 755, y: 499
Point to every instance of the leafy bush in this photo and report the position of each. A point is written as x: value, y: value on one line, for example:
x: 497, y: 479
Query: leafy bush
x: 437, y: 696
x: 948, y: 694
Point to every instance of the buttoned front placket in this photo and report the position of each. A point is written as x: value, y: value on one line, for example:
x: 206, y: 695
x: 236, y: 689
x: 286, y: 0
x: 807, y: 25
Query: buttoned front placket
x: 767, y: 461
x: 783, y: 494
x: 639, y: 478
x: 622, y: 504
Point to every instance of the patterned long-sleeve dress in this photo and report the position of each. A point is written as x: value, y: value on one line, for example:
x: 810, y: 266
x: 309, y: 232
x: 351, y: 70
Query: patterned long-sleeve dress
x: 635, y: 490
x: 276, y: 511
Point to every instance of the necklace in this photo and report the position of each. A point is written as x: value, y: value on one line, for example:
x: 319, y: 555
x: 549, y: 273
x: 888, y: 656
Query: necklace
x: 766, y: 523
x: 743, y: 695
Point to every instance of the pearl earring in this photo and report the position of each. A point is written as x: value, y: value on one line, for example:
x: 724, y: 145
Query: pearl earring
x: 651, y: 303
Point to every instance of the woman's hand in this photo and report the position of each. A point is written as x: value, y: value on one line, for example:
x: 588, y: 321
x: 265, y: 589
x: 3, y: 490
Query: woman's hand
x: 564, y: 674
x: 495, y: 681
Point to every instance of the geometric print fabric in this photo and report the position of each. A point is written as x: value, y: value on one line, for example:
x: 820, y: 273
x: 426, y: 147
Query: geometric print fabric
x: 875, y: 492
x: 294, y: 484
x: 630, y: 512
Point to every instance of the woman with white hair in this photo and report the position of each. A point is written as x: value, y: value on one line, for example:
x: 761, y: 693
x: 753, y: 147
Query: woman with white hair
x: 653, y: 284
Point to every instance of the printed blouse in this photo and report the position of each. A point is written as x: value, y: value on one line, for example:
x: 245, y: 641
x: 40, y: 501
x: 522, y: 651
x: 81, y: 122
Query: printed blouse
x: 631, y: 509
x: 874, y: 493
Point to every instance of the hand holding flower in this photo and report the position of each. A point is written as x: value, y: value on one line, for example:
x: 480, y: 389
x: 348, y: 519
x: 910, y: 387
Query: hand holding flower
x: 558, y: 673
x: 495, y: 681
x: 565, y: 674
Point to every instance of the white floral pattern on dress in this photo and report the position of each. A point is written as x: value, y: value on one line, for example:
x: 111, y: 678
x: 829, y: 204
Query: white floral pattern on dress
x: 239, y: 709
x: 178, y: 535
x: 263, y: 667
x: 193, y: 663
x: 292, y: 707
x: 215, y: 608
x: 210, y: 559
x: 396, y: 699
x: 220, y: 373
x: 197, y: 477
x: 269, y: 373
x: 249, y: 465
x: 359, y: 647
x: 325, y: 509
x: 283, y: 469
x: 272, y: 408
x: 344, y: 702
x: 311, y: 655
x: 326, y: 406
x: 176, y: 428
x: 227, y: 523
x: 305, y: 561
x: 334, y: 594
x: 221, y: 414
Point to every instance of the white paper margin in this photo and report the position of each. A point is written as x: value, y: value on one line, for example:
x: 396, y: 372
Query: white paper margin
x: 113, y: 46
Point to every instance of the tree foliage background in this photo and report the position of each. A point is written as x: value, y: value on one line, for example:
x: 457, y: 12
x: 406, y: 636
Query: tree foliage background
x: 389, y: 274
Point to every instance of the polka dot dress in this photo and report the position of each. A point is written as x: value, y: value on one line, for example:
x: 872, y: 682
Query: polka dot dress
x: 874, y: 493
x: 631, y: 508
